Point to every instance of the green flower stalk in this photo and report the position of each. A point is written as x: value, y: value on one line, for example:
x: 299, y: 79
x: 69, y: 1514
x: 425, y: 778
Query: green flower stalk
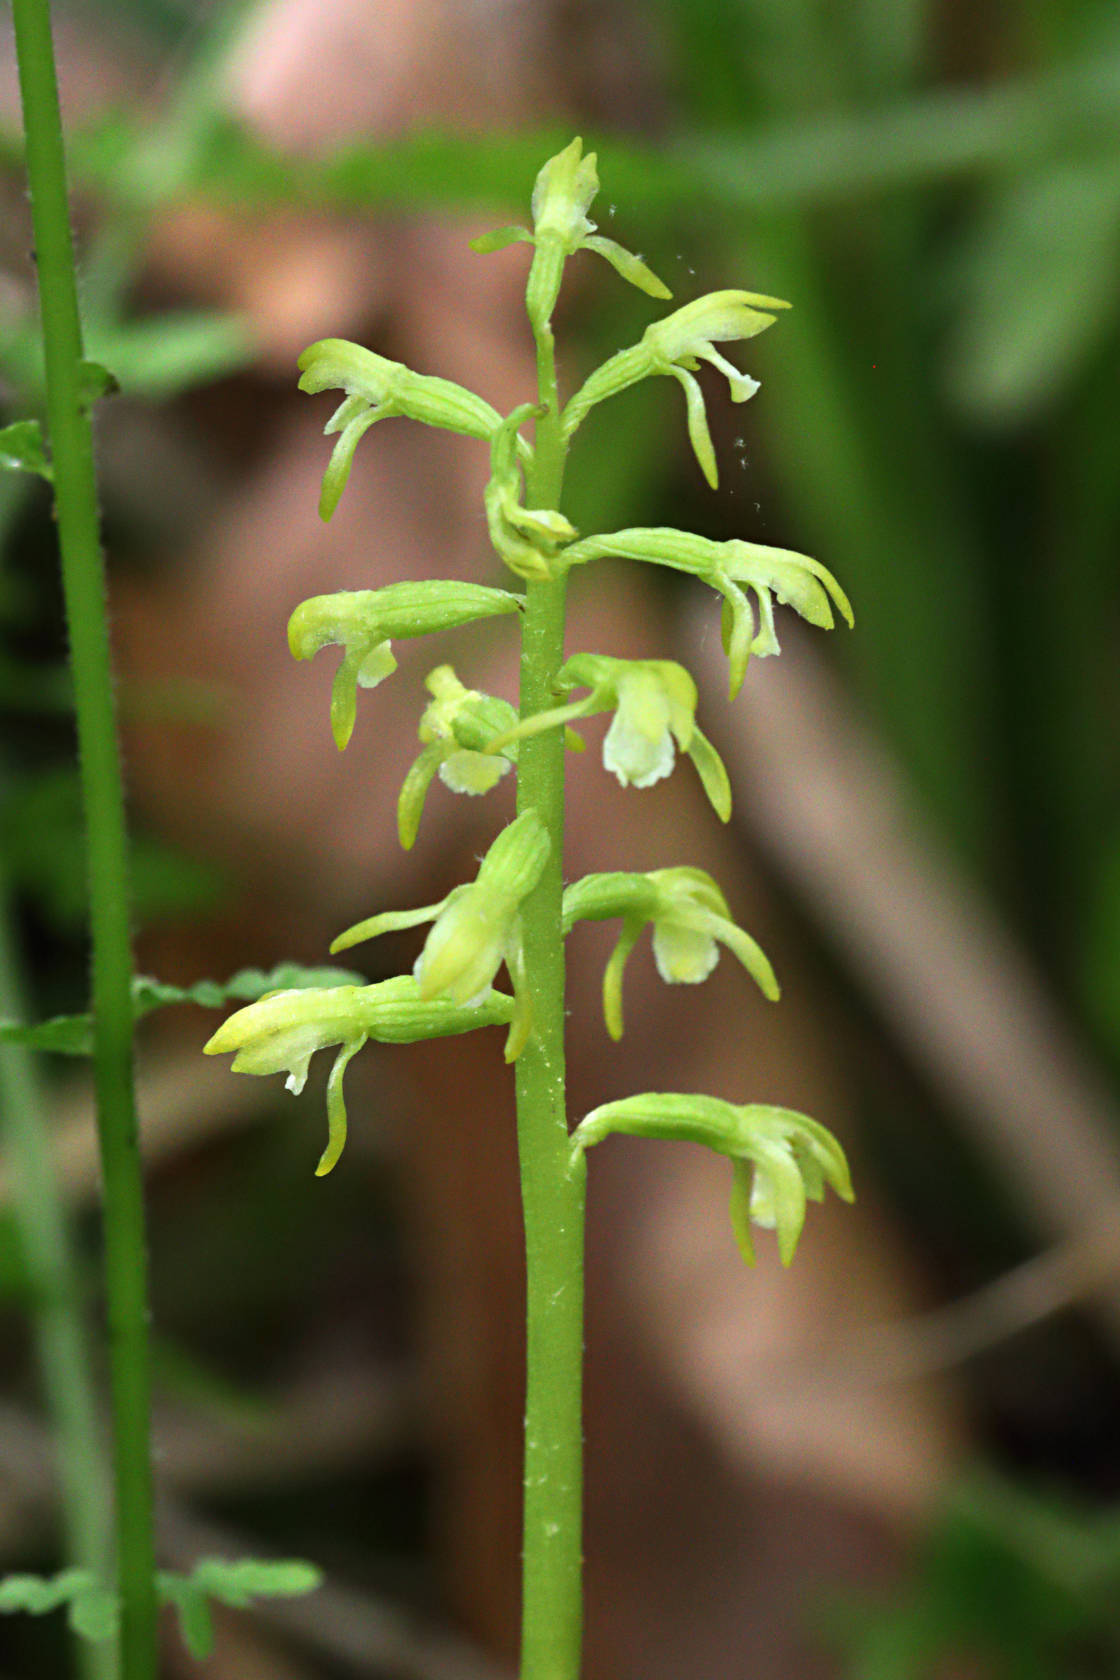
x: 517, y: 912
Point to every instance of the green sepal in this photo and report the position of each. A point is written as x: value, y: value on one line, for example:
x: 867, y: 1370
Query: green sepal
x: 626, y: 264
x: 22, y: 449
x: 414, y: 792
x: 781, y: 1158
x: 713, y: 774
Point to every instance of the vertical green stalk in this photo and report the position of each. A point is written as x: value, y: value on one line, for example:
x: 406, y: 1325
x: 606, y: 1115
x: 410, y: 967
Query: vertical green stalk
x: 84, y: 590
x: 552, y: 1193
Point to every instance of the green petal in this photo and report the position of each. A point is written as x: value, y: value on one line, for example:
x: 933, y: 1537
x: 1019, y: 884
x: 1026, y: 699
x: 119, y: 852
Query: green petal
x: 750, y: 954
x: 485, y: 243
x: 612, y: 974
x: 698, y: 432
x: 742, y: 1175
x: 342, y: 459
x: 336, y: 1108
x: 389, y: 921
x: 737, y: 631
x: 630, y: 267
x: 414, y: 791
x: 712, y: 772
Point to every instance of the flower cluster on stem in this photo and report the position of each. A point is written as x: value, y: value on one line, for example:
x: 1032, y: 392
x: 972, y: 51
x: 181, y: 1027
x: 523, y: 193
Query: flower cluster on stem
x: 516, y: 912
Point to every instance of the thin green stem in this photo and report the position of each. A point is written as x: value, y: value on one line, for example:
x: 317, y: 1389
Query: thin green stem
x: 56, y: 1300
x: 552, y: 1192
x: 84, y: 591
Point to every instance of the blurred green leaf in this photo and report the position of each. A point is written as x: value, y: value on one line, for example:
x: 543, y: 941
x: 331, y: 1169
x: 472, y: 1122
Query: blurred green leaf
x: 158, y: 357
x: 1040, y: 288
x: 22, y: 449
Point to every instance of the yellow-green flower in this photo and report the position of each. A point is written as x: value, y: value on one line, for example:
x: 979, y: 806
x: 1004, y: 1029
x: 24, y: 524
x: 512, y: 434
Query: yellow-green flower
x: 654, y: 702
x: 364, y: 623
x: 732, y: 567
x: 376, y: 389
x: 676, y: 345
x: 690, y: 920
x: 779, y: 1158
x: 562, y: 195
x: 281, y: 1032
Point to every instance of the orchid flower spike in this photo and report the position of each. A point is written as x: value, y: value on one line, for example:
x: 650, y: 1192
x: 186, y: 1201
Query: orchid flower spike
x: 732, y: 567
x: 363, y: 622
x: 527, y: 539
x: 690, y: 920
x: 676, y: 346
x: 377, y: 389
x: 779, y: 1158
x: 654, y: 705
x: 284, y: 1030
x: 562, y: 196
x: 475, y: 928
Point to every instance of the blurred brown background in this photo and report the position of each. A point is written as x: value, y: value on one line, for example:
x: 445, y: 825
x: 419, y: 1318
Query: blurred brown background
x: 926, y: 840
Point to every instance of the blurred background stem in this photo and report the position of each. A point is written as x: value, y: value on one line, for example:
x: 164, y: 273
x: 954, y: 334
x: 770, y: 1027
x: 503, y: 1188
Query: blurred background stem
x: 71, y: 443
x: 55, y: 1291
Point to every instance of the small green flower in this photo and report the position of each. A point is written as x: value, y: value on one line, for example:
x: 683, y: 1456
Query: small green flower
x: 527, y: 539
x: 363, y: 623
x: 475, y: 928
x: 690, y: 920
x: 731, y: 567
x: 654, y: 702
x: 562, y: 196
x: 456, y: 728
x: 377, y: 389
x: 281, y: 1032
x: 676, y: 346
x: 779, y: 1158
